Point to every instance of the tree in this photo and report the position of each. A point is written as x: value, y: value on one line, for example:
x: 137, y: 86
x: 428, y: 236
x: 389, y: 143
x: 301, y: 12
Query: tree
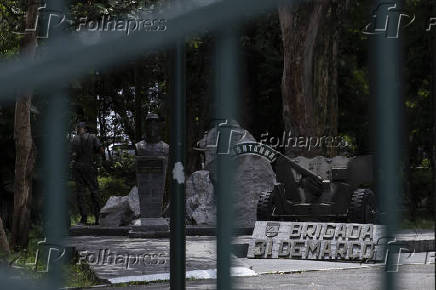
x: 25, y: 148
x: 309, y: 81
x: 4, y: 245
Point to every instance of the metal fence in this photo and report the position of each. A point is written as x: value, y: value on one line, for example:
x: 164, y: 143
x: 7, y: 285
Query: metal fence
x: 65, y: 58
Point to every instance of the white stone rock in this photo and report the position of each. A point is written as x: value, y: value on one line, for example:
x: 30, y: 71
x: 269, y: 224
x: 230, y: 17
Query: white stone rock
x: 253, y: 174
x: 134, y: 201
x: 116, y: 212
x: 200, y: 203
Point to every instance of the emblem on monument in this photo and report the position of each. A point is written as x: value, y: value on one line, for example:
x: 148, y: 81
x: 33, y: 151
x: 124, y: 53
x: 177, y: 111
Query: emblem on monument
x: 272, y: 229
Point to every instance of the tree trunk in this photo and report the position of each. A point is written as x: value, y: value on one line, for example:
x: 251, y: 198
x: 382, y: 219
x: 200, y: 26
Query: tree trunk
x: 4, y: 245
x: 309, y: 82
x: 25, y: 152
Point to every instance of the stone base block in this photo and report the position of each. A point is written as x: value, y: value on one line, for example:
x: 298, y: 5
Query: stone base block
x: 150, y: 225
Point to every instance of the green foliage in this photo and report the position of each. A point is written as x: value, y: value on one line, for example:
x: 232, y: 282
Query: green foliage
x: 349, y: 142
x: 420, y: 193
x: 75, y: 274
x: 80, y: 275
x: 120, y: 178
x: 108, y: 185
x: 262, y: 64
x: 426, y: 163
x: 418, y: 73
x: 11, y: 19
x: 112, y: 186
x: 353, y: 78
x: 124, y: 166
x: 418, y: 223
x: 25, y: 257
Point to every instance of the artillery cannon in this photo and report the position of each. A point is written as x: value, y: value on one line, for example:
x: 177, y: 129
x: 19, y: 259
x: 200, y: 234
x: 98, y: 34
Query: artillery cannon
x: 320, y: 188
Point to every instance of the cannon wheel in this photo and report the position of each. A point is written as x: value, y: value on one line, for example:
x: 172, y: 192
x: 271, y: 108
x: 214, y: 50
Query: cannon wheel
x: 363, y: 207
x: 265, y: 206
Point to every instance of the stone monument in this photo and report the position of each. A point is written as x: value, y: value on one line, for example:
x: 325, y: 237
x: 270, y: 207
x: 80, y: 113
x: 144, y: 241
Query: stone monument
x: 318, y: 241
x: 253, y: 175
x: 151, y: 167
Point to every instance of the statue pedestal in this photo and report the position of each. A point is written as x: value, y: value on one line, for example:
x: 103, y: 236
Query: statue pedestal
x: 151, y: 166
x: 151, y: 225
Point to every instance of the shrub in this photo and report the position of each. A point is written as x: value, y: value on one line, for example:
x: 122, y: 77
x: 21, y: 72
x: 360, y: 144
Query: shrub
x: 112, y: 186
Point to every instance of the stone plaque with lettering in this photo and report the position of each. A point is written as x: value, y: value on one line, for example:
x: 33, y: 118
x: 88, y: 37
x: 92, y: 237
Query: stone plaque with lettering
x: 150, y: 173
x: 317, y: 241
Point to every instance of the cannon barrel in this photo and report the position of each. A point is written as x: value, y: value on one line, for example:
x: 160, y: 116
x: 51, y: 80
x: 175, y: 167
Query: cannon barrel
x: 303, y: 171
x: 309, y: 181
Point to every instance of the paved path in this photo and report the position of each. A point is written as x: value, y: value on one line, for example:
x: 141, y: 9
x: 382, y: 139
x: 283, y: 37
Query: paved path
x: 112, y: 257
x: 122, y: 259
x: 416, y: 277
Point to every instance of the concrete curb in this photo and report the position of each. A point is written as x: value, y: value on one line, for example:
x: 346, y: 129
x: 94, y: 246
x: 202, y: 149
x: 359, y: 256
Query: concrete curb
x: 326, y: 269
x: 98, y: 231
x: 127, y: 231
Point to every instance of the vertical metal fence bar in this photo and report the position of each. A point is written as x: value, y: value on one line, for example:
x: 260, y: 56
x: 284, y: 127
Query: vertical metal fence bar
x: 55, y: 158
x: 226, y: 94
x: 388, y: 103
x: 433, y: 54
x: 178, y: 158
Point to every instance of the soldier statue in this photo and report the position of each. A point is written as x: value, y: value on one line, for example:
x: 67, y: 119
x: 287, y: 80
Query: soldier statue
x: 87, y: 154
